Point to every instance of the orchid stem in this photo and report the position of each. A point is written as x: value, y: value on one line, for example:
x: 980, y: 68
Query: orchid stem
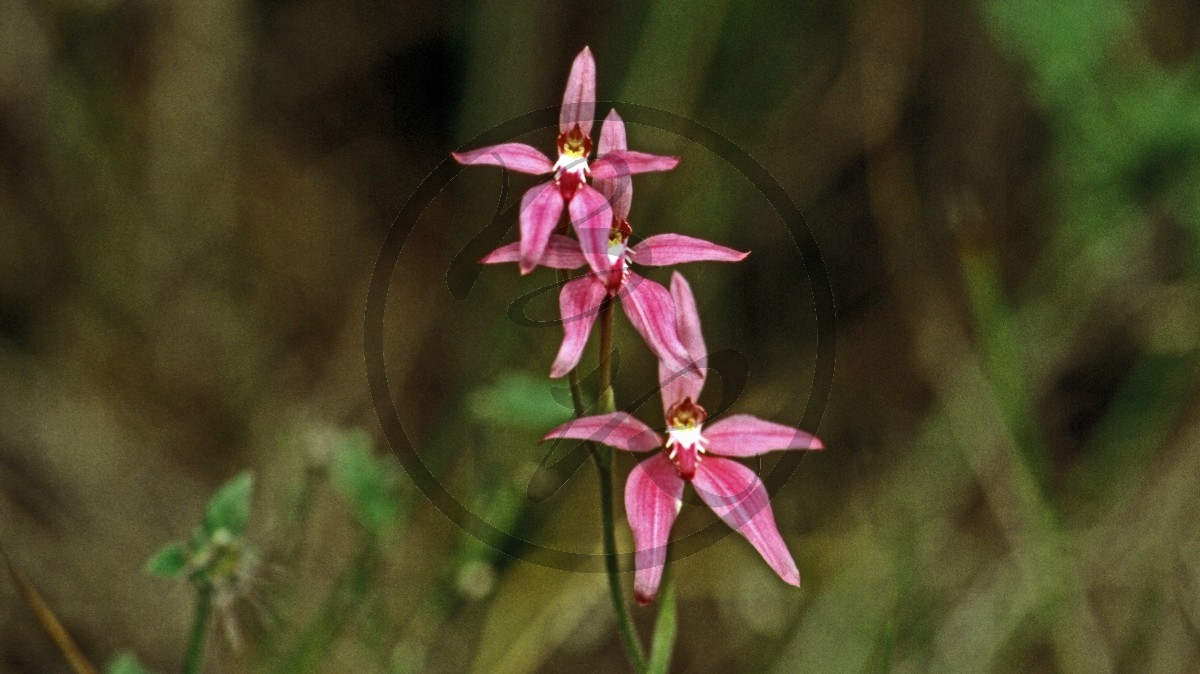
x: 576, y: 393
x: 195, y: 649
x: 628, y: 633
x: 665, y: 628
x: 606, y: 399
x: 606, y: 402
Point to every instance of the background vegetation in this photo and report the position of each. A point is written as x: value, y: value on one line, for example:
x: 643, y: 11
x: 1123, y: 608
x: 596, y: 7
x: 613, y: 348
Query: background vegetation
x: 193, y: 193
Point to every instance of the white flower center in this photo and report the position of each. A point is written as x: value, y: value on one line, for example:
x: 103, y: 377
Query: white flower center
x: 571, y: 163
x: 686, y: 437
x: 618, y: 254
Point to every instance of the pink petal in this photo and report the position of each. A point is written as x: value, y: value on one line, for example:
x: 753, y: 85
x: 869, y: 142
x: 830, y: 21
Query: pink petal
x: 687, y: 317
x: 540, y: 210
x: 579, y: 99
x: 562, y: 252
x: 652, y: 312
x: 517, y: 157
x: 745, y: 435
x: 612, y: 134
x: 592, y: 219
x: 619, y: 191
x: 579, y: 302
x: 662, y: 250
x: 653, y: 496
x: 739, y: 498
x: 628, y: 162
x: 678, y: 385
x: 507, y: 253
x: 618, y: 429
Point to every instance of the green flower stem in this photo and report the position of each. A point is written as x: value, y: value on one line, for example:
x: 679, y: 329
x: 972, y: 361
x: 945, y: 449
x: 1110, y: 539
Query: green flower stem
x: 606, y: 401
x: 628, y: 634
x: 664, y: 626
x: 195, y: 649
x: 576, y: 392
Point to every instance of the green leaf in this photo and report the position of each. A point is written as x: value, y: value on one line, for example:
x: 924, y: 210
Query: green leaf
x: 168, y: 562
x: 229, y: 508
x: 520, y: 400
x: 125, y: 663
x: 366, y: 482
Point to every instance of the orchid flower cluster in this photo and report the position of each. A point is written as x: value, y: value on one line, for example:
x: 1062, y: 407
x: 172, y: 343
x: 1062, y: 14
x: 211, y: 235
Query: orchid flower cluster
x: 693, y: 450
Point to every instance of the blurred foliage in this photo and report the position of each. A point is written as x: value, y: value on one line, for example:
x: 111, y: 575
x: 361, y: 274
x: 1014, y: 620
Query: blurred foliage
x: 169, y: 562
x: 215, y: 555
x: 522, y: 401
x: 193, y: 195
x: 125, y: 664
x: 229, y: 508
x: 368, y: 483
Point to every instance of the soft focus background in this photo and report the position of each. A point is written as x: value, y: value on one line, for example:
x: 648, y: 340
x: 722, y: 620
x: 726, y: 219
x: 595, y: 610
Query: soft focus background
x: 193, y: 193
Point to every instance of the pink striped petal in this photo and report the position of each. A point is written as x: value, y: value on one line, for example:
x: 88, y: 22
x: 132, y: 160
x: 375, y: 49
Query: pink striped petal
x: 739, y: 498
x: 662, y: 250
x: 517, y: 157
x: 620, y: 163
x: 578, y: 302
x: 618, y: 429
x: 687, y: 317
x: 592, y: 219
x: 579, y: 99
x: 562, y: 252
x: 619, y: 191
x: 678, y: 385
x: 653, y: 497
x: 745, y: 435
x: 612, y: 134
x: 651, y: 310
x: 540, y: 210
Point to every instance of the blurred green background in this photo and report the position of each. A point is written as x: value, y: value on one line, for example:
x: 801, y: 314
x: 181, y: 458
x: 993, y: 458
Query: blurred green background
x: 193, y: 193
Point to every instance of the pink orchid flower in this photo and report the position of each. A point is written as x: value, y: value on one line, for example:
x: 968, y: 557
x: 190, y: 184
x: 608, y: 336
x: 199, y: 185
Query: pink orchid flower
x: 693, y: 453
x: 542, y: 206
x: 647, y: 304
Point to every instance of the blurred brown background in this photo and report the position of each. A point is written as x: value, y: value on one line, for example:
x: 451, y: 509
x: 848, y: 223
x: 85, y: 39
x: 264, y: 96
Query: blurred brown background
x: 193, y: 194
